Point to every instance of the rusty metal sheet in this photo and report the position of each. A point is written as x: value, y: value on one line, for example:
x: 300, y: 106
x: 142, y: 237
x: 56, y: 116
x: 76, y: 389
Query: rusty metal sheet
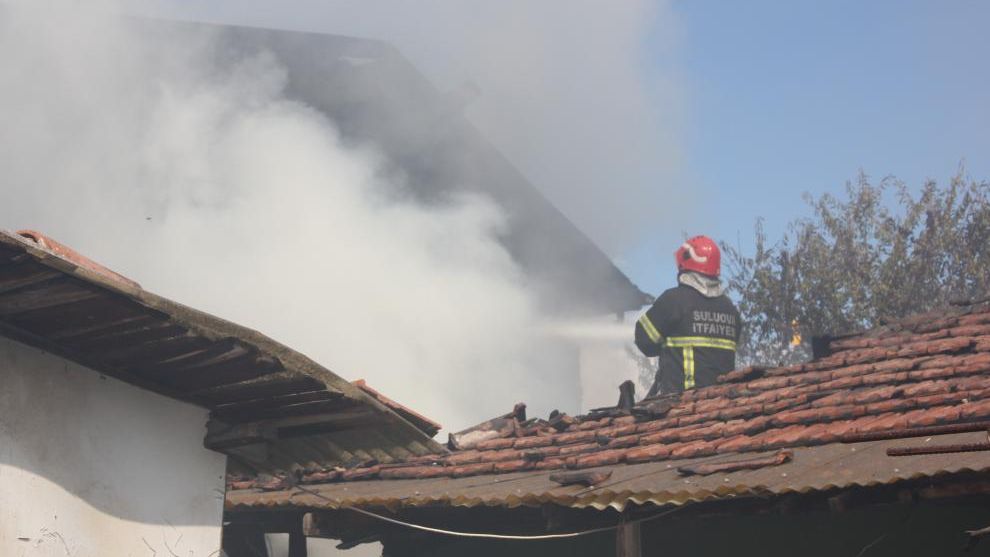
x: 811, y: 469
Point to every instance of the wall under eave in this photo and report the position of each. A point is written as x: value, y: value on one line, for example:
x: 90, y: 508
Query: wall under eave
x: 91, y: 466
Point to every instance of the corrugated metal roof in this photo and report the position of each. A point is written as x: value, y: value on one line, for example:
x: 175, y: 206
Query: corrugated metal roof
x: 812, y: 469
x: 61, y: 302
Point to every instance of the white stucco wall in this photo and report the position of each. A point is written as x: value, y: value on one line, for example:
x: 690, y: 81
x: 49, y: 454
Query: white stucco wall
x: 91, y: 466
x: 278, y: 546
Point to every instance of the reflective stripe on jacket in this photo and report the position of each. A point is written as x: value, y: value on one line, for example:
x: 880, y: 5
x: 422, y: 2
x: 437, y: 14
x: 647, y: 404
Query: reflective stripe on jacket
x: 695, y: 337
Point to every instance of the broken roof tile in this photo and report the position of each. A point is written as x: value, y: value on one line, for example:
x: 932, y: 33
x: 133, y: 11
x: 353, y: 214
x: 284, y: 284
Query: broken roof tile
x: 573, y: 437
x: 648, y: 453
x: 517, y: 465
x: 602, y: 458
x: 412, y: 472
x: 693, y: 449
x: 579, y: 448
x: 530, y: 442
x: 472, y: 469
x: 503, y: 443
x: 622, y: 442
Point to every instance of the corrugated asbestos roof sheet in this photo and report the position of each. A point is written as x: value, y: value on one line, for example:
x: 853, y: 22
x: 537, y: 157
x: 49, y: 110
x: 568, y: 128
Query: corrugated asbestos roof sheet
x: 812, y: 469
x: 62, y: 302
x: 928, y: 370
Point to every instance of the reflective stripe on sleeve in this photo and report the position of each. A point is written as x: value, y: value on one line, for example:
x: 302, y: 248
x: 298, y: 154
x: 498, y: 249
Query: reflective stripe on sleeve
x: 651, y: 331
x: 688, y: 367
x: 701, y: 342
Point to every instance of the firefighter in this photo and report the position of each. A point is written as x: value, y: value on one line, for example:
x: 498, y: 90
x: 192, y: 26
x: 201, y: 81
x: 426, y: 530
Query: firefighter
x: 694, y: 326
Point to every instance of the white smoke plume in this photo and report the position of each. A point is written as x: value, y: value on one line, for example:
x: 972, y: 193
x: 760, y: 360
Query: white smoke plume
x: 584, y: 96
x: 205, y: 184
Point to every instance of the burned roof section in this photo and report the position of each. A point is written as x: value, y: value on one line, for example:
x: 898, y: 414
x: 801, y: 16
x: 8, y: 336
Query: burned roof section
x: 910, y: 394
x: 270, y: 406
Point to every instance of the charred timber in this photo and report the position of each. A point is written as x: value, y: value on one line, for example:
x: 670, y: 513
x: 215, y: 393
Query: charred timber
x: 939, y: 449
x: 905, y: 433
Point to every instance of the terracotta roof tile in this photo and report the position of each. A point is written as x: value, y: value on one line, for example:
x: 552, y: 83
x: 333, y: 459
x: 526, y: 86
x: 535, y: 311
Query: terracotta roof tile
x: 885, y: 378
x: 976, y: 319
x: 360, y: 473
x: 529, y: 442
x: 945, y: 414
x: 574, y: 437
x: 712, y: 431
x: 602, y: 458
x: 839, y: 428
x: 579, y: 448
x: 976, y: 410
x: 924, y: 388
x: 411, y: 472
x: 897, y: 404
x: 618, y: 431
x: 465, y: 457
x: 782, y: 437
x: 504, y: 454
x: 919, y: 418
x: 977, y: 330
x: 542, y: 452
x: 744, y: 411
x: 738, y: 444
x: 624, y: 442
x: 648, y: 453
x: 508, y: 442
x: 655, y: 425
x: 551, y: 464
x: 693, y: 449
x: 513, y: 466
x: 74, y: 257
x: 472, y: 469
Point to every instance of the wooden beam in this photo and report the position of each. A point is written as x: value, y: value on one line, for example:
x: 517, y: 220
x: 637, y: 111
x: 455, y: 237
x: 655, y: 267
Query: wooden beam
x: 34, y: 276
x: 255, y: 387
x: 42, y: 343
x: 297, y: 542
x: 311, y: 526
x: 56, y: 292
x: 628, y: 540
x: 221, y: 436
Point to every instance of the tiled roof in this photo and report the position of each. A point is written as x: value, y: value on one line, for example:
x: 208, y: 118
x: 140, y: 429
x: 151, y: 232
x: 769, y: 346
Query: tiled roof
x: 927, y: 370
x: 260, y: 393
x: 817, y: 469
x: 422, y: 423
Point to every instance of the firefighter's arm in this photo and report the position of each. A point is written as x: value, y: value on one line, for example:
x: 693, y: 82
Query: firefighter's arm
x: 649, y: 338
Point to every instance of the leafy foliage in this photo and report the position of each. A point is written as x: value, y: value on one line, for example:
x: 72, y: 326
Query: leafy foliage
x: 880, y: 253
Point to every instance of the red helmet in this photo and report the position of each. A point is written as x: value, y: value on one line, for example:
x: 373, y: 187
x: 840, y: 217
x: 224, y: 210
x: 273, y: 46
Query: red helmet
x: 699, y: 254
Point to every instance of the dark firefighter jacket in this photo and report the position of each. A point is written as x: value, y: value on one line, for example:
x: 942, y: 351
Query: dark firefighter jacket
x: 695, y: 337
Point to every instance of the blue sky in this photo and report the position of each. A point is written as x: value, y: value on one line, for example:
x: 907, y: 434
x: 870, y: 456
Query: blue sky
x: 789, y: 97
